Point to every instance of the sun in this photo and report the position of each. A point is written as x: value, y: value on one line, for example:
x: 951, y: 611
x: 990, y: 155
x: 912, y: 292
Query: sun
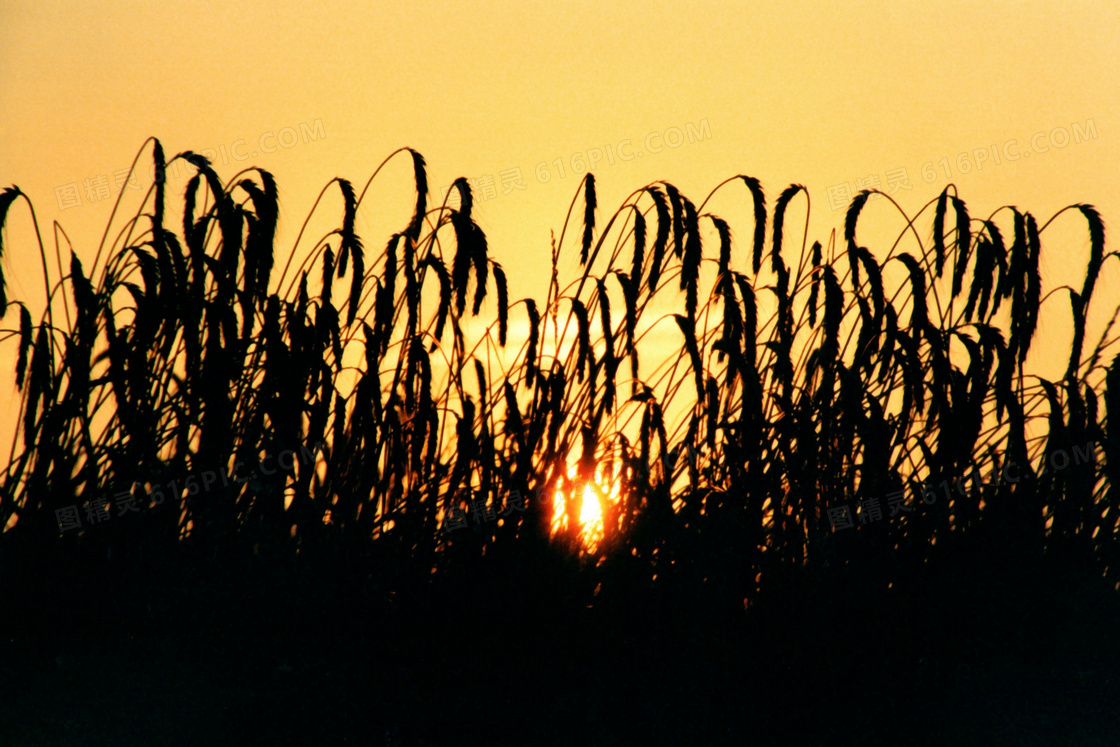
x: 590, y: 513
x: 603, y: 488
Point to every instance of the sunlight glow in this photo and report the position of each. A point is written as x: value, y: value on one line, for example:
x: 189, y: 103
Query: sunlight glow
x: 590, y: 513
x: 605, y: 488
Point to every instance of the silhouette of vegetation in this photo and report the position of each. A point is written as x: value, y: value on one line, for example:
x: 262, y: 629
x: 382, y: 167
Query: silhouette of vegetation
x: 714, y: 434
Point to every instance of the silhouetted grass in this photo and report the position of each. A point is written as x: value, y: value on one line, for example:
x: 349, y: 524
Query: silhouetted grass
x: 784, y: 391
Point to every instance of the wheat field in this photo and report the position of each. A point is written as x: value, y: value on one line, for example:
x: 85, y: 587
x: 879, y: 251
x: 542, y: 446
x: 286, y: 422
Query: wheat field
x: 711, y: 412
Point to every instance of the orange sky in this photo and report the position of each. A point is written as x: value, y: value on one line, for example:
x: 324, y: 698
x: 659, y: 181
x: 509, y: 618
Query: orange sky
x: 822, y: 93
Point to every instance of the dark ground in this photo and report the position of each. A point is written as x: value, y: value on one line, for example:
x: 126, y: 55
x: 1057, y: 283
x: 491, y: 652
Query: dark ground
x: 971, y: 649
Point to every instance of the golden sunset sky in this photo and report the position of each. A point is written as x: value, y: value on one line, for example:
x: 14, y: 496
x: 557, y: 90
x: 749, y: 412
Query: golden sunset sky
x: 1016, y: 104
